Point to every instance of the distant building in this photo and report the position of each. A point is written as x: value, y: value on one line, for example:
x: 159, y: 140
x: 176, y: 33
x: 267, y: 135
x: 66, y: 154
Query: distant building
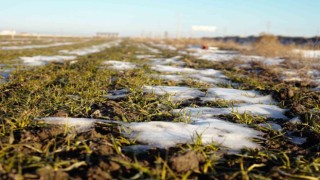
x: 8, y: 33
x: 107, y: 35
x: 25, y: 34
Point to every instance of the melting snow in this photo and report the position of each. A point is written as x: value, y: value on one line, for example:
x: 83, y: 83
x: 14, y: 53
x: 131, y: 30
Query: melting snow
x: 290, y: 75
x: 172, y: 69
x: 210, y: 130
x: 117, y: 94
x: 224, y: 55
x: 264, y: 60
x: 178, y: 93
x: 203, y: 124
x: 168, y: 134
x: 271, y: 125
x: 92, y: 49
x: 194, y: 72
x: 5, y: 72
x: 263, y: 110
x: 201, y: 78
x: 212, y: 72
x: 144, y: 56
x: 15, y: 42
x: 316, y: 89
x: 313, y: 73
x: 213, y: 54
x: 119, y: 65
x: 81, y: 124
x: 295, y: 139
x: 35, y: 46
x: 198, y: 75
x: 195, y: 77
x: 170, y: 77
x: 298, y: 140
x: 248, y: 96
x: 295, y: 120
x: 255, y: 109
x: 291, y: 79
x: 162, y: 61
x: 308, y: 53
x: 43, y: 60
x: 136, y: 149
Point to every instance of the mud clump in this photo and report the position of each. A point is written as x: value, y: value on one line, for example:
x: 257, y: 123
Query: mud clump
x: 49, y: 173
x: 102, y: 171
x: 187, y: 162
x: 285, y: 94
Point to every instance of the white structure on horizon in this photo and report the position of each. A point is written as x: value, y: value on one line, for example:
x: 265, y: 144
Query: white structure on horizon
x: 8, y: 32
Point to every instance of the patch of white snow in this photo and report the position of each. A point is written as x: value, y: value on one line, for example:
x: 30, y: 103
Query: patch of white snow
x: 43, y: 60
x: 177, y: 93
x: 119, y: 65
x: 248, y: 96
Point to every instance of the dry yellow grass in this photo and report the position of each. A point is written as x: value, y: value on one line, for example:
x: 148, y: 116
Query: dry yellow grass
x: 269, y: 46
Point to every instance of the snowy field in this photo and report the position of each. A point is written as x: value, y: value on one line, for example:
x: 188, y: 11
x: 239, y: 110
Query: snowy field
x: 138, y: 105
x: 201, y: 120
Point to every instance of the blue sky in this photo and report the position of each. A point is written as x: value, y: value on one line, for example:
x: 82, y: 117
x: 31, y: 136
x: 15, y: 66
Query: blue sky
x: 153, y: 18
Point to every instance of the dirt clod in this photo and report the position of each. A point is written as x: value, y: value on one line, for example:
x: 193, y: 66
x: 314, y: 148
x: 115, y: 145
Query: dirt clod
x: 186, y: 162
x: 48, y: 173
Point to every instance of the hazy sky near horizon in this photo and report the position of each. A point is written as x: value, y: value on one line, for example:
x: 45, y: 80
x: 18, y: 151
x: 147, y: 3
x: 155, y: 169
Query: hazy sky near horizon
x: 151, y: 17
